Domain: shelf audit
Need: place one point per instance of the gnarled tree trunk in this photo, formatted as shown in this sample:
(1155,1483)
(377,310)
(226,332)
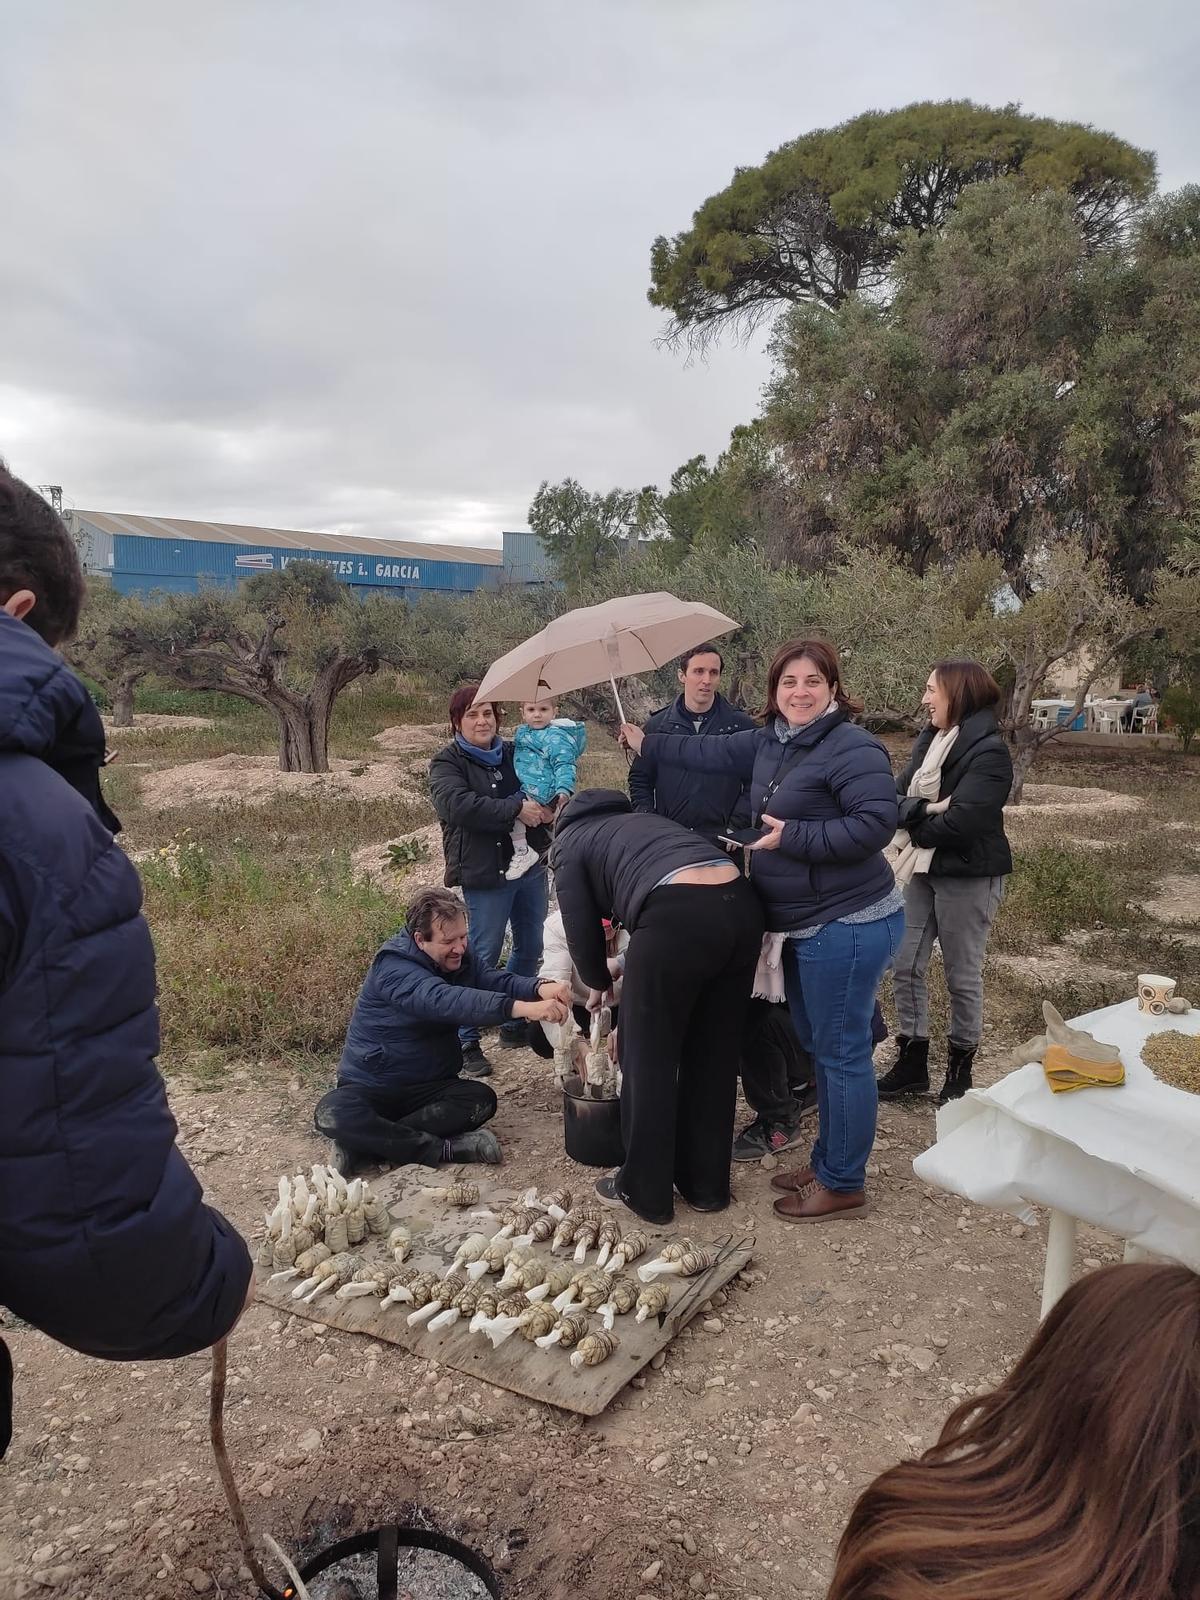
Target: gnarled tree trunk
(304,718)
(122,701)
(237,663)
(297,740)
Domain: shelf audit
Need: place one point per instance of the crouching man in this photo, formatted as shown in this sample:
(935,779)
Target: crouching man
(400,1095)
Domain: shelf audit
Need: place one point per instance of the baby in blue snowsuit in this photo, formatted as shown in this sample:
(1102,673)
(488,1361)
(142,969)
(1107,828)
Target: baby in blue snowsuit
(545,750)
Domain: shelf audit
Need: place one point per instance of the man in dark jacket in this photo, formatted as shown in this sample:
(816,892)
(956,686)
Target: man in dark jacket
(399,1094)
(105,1243)
(707,802)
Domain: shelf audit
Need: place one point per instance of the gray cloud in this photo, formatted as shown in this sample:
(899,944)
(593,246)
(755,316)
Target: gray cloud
(384,267)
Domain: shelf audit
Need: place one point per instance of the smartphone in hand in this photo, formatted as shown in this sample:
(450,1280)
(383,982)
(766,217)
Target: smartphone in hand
(742,836)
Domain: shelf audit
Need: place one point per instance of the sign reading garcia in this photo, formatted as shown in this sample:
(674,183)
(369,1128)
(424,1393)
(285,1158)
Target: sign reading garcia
(341,566)
(351,567)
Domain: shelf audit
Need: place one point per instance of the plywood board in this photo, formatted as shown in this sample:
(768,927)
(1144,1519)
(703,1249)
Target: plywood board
(517,1365)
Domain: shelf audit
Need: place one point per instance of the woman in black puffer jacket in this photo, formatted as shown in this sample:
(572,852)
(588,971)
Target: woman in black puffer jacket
(953,867)
(478,796)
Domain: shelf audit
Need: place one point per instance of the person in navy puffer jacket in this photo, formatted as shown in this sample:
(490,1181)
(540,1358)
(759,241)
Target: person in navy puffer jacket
(105,1242)
(399,1095)
(823,790)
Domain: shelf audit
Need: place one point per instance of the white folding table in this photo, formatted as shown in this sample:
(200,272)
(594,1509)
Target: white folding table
(1125,1159)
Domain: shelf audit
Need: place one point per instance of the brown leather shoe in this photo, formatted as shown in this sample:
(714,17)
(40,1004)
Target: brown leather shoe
(790,1182)
(815,1203)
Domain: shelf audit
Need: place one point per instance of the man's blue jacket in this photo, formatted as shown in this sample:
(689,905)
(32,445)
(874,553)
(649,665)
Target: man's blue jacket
(406,1019)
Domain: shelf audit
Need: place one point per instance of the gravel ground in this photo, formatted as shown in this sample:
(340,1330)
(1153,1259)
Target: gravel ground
(726,1472)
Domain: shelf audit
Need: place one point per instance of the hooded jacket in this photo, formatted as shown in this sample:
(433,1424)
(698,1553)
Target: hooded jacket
(968,839)
(545,758)
(606,859)
(405,1024)
(105,1243)
(707,804)
(832,785)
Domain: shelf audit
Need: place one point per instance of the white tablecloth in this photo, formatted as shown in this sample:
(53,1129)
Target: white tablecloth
(1126,1159)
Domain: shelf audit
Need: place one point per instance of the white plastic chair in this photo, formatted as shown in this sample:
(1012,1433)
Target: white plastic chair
(1145,719)
(1042,717)
(1107,721)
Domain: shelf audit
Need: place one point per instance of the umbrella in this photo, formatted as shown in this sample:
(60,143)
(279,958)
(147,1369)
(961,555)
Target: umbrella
(617,639)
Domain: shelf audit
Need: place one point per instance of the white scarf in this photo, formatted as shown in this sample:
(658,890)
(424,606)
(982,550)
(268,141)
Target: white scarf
(906,857)
(768,976)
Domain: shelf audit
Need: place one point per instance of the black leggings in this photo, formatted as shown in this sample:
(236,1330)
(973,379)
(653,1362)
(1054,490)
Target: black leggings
(776,1067)
(688,975)
(407,1123)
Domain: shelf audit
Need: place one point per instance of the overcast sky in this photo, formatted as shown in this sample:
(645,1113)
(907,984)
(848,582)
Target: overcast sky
(381,266)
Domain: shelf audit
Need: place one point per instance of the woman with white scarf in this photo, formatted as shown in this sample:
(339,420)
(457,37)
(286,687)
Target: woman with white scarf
(951,857)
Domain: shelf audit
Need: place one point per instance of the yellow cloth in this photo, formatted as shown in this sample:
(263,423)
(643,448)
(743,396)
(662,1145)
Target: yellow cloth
(1065,1071)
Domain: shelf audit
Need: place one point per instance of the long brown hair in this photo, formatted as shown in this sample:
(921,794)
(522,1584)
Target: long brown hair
(1077,1479)
(824,657)
(968,688)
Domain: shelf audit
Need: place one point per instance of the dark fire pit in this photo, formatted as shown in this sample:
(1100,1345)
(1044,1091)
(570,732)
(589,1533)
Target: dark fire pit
(386,1545)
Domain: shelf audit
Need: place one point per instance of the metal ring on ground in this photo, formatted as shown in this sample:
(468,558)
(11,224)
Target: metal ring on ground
(388,1542)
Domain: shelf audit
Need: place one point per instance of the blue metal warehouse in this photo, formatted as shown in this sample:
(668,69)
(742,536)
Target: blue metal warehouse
(143,554)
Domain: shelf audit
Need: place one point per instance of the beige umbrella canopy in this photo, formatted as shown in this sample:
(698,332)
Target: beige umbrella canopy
(617,639)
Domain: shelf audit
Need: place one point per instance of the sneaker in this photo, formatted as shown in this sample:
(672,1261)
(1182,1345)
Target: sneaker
(720,1204)
(805,1096)
(514,1036)
(609,1195)
(475,1063)
(606,1192)
(763,1137)
(522,862)
(478,1146)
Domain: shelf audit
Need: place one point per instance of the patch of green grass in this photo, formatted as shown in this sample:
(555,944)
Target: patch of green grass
(122,790)
(603,765)
(158,699)
(251,735)
(1054,889)
(258,955)
(296,828)
(366,708)
(1160,776)
(361,711)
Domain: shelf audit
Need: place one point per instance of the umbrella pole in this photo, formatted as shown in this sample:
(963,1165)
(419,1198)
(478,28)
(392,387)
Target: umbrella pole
(617,697)
(621,714)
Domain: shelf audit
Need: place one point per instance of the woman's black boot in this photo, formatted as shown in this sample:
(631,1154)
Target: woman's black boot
(910,1075)
(958,1074)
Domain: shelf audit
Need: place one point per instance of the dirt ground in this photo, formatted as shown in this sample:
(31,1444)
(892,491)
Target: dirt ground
(729,1472)
(257,780)
(150,721)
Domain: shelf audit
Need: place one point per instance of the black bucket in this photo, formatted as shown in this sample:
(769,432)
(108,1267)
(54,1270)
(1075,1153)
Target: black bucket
(591,1128)
(388,1543)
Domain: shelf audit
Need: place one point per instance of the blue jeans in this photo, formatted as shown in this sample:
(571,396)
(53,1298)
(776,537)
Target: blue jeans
(831,981)
(523,903)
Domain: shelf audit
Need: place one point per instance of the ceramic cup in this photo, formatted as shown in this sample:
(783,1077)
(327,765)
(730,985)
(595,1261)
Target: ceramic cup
(1153,992)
